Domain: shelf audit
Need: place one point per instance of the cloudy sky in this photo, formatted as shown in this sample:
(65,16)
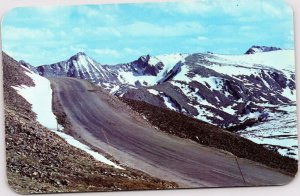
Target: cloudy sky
(122,32)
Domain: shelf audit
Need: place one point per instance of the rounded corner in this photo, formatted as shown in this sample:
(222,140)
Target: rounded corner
(6,12)
(9,185)
(287,182)
(289,6)
(291,180)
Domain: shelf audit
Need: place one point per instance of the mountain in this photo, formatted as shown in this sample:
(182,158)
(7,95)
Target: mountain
(257,49)
(218,89)
(79,66)
(236,92)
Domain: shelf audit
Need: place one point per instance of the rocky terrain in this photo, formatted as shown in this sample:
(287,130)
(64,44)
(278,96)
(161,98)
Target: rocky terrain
(235,92)
(39,161)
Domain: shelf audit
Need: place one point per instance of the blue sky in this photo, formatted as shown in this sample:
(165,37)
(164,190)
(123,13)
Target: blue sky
(118,33)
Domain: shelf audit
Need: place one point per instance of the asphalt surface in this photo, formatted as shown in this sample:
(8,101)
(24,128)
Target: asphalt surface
(106,123)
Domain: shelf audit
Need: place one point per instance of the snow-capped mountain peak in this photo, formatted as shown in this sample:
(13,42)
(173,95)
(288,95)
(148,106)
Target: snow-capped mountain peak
(79,66)
(81,54)
(257,49)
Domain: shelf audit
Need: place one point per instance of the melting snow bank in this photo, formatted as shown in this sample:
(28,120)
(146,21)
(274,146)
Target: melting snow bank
(85,148)
(40,97)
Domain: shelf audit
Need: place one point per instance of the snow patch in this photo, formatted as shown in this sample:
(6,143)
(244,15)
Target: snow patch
(153,61)
(182,75)
(280,59)
(203,114)
(170,60)
(154,92)
(168,102)
(75,143)
(40,97)
(114,89)
(252,115)
(288,93)
(214,82)
(229,110)
(130,78)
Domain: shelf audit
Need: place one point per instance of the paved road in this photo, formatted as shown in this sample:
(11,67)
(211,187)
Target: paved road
(106,123)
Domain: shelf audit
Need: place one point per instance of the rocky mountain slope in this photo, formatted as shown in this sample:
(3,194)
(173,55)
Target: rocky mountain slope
(40,161)
(230,91)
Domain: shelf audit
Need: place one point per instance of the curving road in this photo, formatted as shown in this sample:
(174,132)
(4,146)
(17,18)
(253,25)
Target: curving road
(108,124)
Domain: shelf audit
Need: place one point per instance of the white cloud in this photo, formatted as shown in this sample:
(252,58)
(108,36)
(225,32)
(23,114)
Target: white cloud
(118,53)
(78,48)
(87,11)
(113,56)
(143,29)
(107,51)
(248,28)
(132,51)
(107,30)
(29,54)
(254,8)
(18,33)
(107,14)
(202,38)
(52,16)
(274,10)
(99,32)
(197,40)
(193,6)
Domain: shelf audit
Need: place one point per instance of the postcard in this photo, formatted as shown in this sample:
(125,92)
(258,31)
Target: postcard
(147,96)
